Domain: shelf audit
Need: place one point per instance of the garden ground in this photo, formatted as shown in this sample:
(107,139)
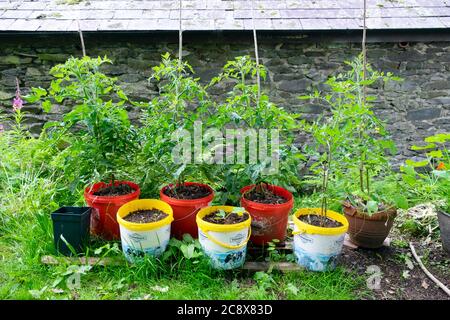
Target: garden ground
(22,276)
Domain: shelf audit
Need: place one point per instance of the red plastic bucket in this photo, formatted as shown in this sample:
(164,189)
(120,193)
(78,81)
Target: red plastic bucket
(185,211)
(269,221)
(103,219)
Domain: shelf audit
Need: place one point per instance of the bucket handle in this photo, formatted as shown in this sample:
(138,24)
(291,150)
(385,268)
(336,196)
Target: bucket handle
(229,246)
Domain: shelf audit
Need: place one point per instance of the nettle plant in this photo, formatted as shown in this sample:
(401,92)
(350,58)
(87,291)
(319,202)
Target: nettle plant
(96,136)
(432,175)
(245,108)
(182,100)
(364,147)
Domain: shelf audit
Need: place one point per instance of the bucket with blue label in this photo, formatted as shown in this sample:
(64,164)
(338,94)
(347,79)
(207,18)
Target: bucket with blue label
(317,248)
(224,232)
(140,238)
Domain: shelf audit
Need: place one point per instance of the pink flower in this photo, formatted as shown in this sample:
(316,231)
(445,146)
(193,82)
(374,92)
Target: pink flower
(17,101)
(2,128)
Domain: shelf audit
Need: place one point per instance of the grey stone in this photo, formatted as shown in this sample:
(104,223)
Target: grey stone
(53,57)
(437,85)
(297,86)
(5,95)
(423,114)
(17,60)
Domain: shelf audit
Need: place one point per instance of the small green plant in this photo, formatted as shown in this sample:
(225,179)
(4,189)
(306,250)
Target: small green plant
(222,214)
(96,135)
(243,109)
(363,145)
(182,100)
(433,183)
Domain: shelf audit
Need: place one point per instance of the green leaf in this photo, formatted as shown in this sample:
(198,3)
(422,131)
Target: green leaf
(122,95)
(438,138)
(372,206)
(416,164)
(428,146)
(435,154)
(47,106)
(51,124)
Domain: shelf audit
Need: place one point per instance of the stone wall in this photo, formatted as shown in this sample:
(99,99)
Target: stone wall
(413,109)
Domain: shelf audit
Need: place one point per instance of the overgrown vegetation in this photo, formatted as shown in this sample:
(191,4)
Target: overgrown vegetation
(96,141)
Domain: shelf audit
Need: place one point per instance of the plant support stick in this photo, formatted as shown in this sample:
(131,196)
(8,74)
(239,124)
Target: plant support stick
(428,273)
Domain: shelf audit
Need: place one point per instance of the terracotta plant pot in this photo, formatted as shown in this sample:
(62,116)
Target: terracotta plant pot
(103,218)
(269,221)
(444,226)
(369,231)
(185,211)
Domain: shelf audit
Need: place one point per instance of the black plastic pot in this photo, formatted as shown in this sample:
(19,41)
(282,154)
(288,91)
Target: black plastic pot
(73,224)
(444,226)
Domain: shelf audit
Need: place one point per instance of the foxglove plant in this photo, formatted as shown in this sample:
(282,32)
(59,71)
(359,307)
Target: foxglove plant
(17,105)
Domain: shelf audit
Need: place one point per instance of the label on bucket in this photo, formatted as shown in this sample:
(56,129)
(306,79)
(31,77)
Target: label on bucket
(224,258)
(136,245)
(317,252)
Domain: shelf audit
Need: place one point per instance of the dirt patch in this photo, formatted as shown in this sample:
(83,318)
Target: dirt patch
(398,280)
(319,221)
(113,191)
(262,194)
(185,192)
(222,217)
(145,216)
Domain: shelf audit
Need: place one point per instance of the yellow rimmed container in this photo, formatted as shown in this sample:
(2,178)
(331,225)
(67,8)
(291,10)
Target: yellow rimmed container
(318,248)
(224,244)
(139,239)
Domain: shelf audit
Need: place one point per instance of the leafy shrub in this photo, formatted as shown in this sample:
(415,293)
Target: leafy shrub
(96,137)
(244,109)
(362,143)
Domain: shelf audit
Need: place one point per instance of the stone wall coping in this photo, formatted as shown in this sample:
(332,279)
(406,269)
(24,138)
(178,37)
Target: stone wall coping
(213,15)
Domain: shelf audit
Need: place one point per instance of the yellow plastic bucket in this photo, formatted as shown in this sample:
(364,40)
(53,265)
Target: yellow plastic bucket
(225,245)
(318,248)
(139,239)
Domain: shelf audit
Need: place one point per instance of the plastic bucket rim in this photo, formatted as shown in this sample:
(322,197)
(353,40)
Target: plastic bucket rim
(263,206)
(186,202)
(307,228)
(89,190)
(208,226)
(125,209)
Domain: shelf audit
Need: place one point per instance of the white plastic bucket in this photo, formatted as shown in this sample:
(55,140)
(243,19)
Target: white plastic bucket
(318,248)
(140,239)
(225,245)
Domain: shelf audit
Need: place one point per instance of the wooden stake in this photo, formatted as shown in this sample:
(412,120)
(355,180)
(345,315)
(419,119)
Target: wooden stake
(83,48)
(428,273)
(92,261)
(180,38)
(255,39)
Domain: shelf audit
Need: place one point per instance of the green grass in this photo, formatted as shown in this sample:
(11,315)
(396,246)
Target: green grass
(22,276)
(20,281)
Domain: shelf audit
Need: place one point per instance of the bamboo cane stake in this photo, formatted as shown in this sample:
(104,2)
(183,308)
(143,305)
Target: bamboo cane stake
(428,273)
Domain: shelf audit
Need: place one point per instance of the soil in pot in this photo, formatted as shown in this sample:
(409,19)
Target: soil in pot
(114,190)
(187,192)
(222,217)
(320,221)
(261,194)
(145,216)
